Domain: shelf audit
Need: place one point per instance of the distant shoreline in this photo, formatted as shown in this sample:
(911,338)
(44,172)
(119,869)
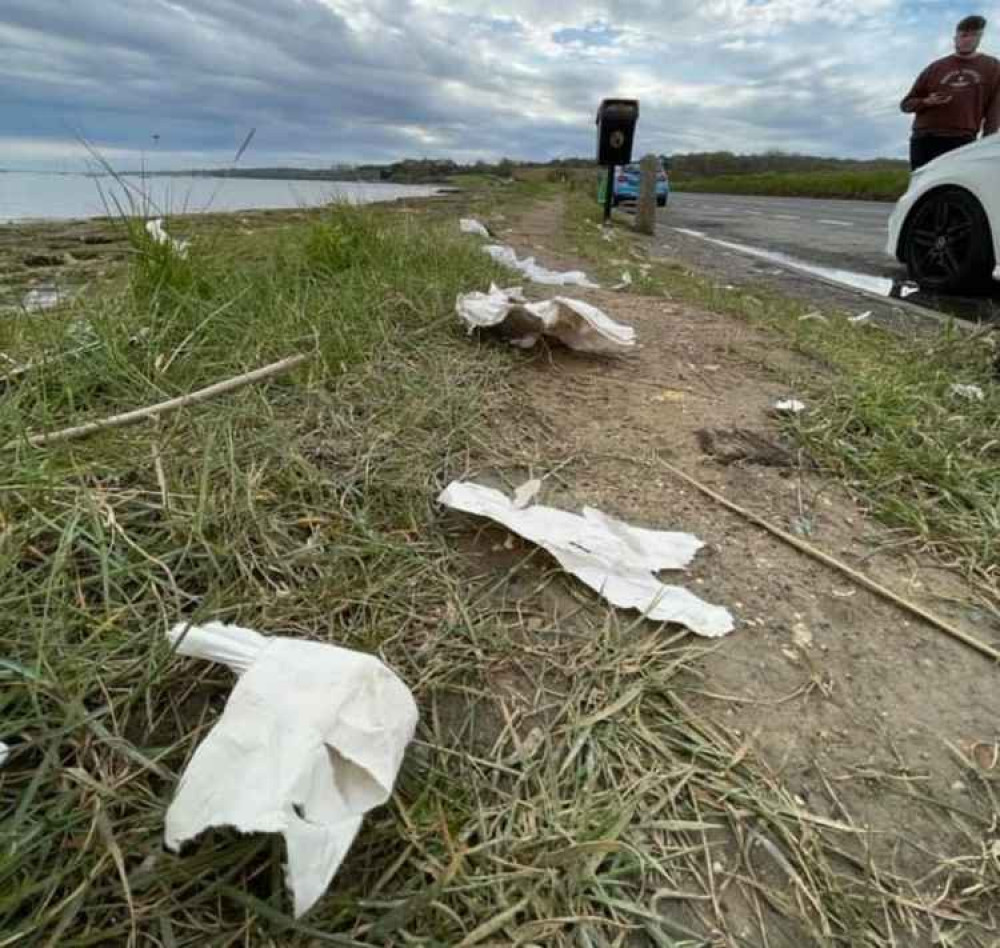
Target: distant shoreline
(256,174)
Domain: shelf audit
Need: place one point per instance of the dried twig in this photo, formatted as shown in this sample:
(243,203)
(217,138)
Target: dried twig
(816,554)
(152,411)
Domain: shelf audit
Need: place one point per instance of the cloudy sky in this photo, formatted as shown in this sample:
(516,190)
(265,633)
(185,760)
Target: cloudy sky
(176,83)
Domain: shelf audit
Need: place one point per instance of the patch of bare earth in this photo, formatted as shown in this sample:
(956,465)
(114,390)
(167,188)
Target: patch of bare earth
(868,717)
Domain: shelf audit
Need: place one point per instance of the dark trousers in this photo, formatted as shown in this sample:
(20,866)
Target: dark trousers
(928,147)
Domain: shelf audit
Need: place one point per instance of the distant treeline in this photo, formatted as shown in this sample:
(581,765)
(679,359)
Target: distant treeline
(693,166)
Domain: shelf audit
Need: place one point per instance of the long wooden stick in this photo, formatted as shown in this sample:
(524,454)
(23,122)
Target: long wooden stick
(853,574)
(152,411)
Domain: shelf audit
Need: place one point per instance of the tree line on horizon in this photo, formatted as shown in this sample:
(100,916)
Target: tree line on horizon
(691,165)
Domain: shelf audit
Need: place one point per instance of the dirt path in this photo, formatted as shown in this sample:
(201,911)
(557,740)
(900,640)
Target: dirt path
(866,715)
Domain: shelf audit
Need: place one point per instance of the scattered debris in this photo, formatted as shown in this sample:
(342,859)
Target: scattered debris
(4,753)
(616,560)
(41,298)
(670,395)
(155,230)
(470,226)
(626,281)
(311,739)
(860,318)
(506,257)
(972,392)
(789,406)
(803,526)
(574,323)
(741,445)
(814,315)
(802,635)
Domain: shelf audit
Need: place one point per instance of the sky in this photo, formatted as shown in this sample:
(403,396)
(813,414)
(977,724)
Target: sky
(180,83)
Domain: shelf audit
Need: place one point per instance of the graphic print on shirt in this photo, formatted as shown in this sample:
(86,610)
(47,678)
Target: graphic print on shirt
(958,80)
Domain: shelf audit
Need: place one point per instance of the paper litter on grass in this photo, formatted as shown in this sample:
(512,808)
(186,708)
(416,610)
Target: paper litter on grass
(470,226)
(41,298)
(616,560)
(972,392)
(155,230)
(311,738)
(574,323)
(535,272)
(789,406)
(860,318)
(4,753)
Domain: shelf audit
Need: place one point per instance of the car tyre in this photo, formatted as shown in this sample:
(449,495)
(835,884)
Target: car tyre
(661,202)
(948,247)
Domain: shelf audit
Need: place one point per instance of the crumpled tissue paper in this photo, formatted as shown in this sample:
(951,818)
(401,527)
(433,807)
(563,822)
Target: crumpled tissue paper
(155,230)
(616,560)
(574,323)
(469,225)
(506,257)
(311,739)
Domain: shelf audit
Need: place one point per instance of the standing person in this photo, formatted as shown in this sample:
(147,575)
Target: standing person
(954,98)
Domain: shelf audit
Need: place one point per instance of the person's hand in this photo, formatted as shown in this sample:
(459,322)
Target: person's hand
(936,98)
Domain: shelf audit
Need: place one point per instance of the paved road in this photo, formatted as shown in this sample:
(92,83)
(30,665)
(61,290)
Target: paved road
(846,234)
(842,235)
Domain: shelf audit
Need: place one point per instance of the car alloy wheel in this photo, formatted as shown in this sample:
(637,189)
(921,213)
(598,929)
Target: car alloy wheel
(947,243)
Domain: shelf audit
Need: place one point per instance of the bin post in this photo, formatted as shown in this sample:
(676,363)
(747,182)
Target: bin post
(616,119)
(645,212)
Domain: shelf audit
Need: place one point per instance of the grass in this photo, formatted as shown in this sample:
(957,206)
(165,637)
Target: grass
(561,791)
(875,185)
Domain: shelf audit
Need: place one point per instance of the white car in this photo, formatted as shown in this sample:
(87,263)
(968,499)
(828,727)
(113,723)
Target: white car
(946,228)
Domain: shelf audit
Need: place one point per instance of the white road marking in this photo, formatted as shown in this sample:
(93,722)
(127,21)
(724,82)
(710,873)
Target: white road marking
(836,223)
(861,281)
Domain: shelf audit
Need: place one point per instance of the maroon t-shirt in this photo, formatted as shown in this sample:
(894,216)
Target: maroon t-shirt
(972,82)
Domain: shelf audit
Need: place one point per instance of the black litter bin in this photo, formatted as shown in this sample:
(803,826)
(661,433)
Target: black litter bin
(616,120)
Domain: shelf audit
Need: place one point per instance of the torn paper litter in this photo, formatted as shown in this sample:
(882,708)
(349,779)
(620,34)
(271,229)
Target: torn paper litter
(41,298)
(616,560)
(574,323)
(470,226)
(311,738)
(155,230)
(789,406)
(861,318)
(972,392)
(506,257)
(4,753)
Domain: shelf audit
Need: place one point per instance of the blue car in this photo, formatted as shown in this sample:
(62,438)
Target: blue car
(626,187)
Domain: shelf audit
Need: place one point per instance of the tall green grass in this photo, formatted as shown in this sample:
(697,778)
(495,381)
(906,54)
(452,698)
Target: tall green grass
(292,507)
